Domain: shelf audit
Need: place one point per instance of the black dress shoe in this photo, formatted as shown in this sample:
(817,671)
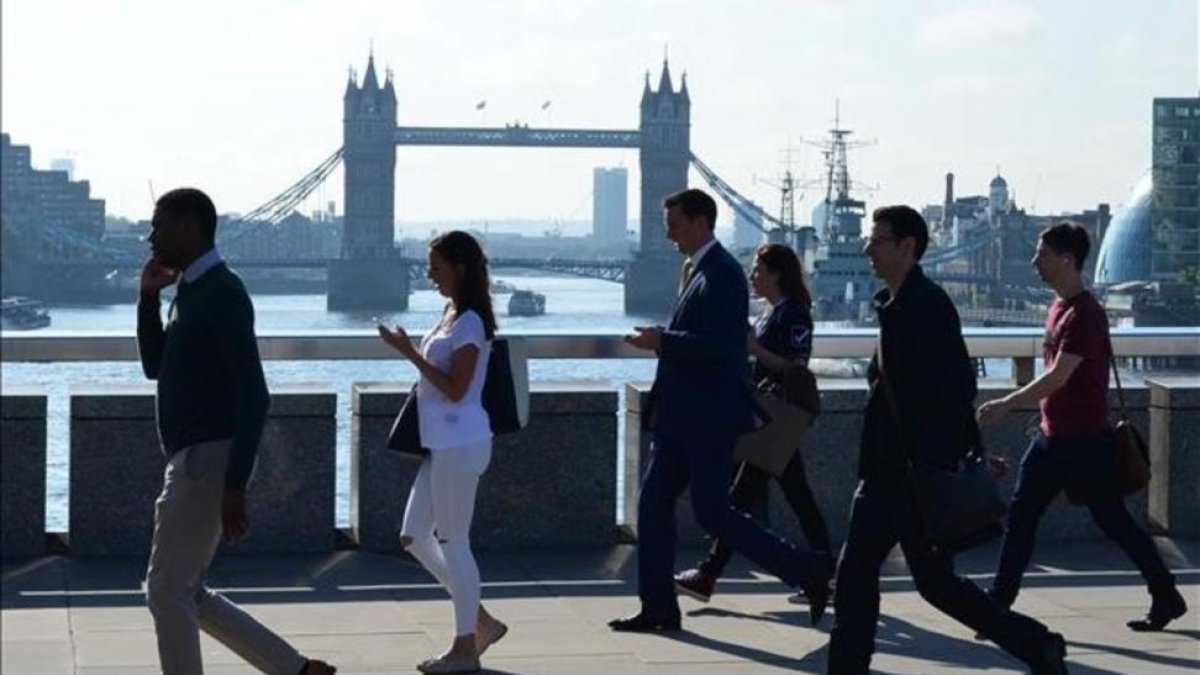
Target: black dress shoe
(1162,612)
(1053,658)
(818,600)
(643,623)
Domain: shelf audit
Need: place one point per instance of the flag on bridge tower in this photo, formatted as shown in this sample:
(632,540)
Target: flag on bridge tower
(481,105)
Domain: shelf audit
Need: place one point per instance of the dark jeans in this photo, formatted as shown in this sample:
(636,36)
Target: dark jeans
(883,513)
(703,468)
(751,486)
(1090,463)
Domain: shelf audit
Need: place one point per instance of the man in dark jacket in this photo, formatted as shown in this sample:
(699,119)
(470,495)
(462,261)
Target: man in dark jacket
(924,358)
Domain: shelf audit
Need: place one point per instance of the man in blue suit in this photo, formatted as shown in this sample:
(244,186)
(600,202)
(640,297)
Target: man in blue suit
(699,404)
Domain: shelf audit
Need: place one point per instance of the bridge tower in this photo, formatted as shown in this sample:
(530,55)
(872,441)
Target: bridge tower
(652,279)
(370,275)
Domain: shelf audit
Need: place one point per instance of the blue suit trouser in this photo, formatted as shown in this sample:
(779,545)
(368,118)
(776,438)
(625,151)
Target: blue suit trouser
(703,468)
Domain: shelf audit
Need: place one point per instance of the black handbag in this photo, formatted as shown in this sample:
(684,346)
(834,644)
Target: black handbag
(506,387)
(960,507)
(405,436)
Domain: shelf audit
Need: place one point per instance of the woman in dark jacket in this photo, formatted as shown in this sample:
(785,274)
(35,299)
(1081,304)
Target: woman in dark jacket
(781,338)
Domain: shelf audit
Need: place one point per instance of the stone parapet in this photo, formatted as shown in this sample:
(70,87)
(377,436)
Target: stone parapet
(117,472)
(551,484)
(22,472)
(1175,455)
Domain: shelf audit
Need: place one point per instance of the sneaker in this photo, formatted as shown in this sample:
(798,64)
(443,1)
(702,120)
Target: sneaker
(696,584)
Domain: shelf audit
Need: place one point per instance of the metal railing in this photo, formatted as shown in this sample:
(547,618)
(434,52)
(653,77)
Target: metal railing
(1022,345)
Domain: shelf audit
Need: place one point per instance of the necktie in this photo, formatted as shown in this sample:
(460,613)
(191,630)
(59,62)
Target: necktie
(685,274)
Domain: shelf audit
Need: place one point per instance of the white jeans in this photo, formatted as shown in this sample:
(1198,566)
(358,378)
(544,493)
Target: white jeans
(187,530)
(442,500)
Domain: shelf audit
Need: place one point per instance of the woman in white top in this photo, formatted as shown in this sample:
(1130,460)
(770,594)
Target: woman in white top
(452,360)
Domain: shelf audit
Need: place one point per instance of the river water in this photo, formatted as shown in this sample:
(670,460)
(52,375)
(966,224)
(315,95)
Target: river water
(572,305)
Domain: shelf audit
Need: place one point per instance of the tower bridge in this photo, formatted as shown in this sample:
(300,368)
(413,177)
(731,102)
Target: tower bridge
(370,273)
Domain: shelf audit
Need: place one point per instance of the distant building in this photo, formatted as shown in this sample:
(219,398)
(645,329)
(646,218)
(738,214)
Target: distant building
(610,205)
(1175,197)
(988,237)
(1124,254)
(997,195)
(64,164)
(31,199)
(295,237)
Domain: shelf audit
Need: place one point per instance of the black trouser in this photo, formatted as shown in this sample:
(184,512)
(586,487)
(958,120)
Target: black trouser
(1090,463)
(883,513)
(751,486)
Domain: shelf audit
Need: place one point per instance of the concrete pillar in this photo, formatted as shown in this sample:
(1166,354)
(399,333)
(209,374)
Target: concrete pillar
(551,484)
(22,472)
(637,458)
(1023,370)
(1174,438)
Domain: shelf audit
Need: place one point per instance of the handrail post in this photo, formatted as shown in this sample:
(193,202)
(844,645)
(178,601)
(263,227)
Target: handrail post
(1023,370)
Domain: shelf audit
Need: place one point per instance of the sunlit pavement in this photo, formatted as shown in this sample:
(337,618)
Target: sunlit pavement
(373,614)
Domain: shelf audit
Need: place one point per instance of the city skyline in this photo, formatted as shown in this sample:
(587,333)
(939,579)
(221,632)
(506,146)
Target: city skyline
(242,102)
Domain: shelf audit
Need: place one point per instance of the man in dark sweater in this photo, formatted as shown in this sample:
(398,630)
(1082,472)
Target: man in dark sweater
(212,403)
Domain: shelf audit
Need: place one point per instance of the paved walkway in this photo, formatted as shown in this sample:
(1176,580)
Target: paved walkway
(376,614)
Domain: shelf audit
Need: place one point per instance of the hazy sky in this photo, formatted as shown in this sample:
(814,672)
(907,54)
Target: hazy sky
(242,98)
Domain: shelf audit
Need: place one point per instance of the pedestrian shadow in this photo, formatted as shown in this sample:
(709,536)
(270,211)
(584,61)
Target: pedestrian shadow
(790,618)
(1183,632)
(894,636)
(804,664)
(1156,658)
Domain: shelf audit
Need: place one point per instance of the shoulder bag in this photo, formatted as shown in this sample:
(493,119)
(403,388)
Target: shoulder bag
(960,507)
(1133,458)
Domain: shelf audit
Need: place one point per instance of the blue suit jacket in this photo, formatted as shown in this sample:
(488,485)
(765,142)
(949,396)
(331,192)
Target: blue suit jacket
(701,386)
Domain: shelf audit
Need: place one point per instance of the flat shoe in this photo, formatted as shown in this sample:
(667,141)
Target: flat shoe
(446,665)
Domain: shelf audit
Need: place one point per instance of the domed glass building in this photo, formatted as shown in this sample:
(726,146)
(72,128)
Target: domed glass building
(1125,251)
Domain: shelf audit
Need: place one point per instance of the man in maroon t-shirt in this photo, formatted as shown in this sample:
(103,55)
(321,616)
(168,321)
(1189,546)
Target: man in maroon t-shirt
(1075,443)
